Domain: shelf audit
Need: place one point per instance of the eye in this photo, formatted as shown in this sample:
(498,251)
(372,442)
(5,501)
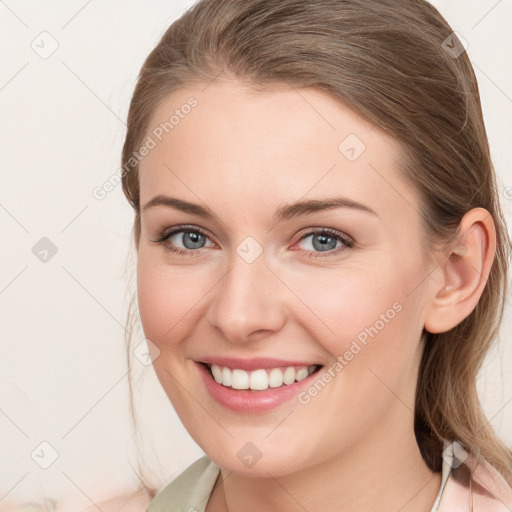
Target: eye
(190,239)
(186,241)
(327,241)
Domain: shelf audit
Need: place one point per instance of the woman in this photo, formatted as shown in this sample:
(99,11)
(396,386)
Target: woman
(322,256)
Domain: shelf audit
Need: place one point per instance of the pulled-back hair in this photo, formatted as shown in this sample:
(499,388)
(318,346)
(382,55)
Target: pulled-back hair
(399,65)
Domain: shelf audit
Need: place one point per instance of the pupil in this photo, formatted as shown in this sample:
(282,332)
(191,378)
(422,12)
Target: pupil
(192,240)
(323,242)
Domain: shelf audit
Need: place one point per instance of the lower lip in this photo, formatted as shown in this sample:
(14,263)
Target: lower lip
(252,401)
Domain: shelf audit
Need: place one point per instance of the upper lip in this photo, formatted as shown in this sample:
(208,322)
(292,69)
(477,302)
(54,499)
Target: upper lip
(254,363)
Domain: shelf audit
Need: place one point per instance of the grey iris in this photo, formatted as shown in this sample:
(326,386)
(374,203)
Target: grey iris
(196,240)
(323,242)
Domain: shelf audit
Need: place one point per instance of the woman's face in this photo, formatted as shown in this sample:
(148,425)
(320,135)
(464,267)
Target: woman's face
(263,279)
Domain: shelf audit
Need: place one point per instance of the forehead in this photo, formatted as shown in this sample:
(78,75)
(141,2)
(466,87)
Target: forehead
(229,144)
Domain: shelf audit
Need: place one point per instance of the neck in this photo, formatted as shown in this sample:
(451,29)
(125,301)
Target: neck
(368,476)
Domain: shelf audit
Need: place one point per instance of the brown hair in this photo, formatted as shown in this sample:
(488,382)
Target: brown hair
(399,65)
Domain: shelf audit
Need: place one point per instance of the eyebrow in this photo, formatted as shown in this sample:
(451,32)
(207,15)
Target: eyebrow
(286,212)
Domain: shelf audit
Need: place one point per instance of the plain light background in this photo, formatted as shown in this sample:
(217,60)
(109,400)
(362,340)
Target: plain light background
(63,373)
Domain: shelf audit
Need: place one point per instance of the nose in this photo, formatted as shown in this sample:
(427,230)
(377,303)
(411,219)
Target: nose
(246,305)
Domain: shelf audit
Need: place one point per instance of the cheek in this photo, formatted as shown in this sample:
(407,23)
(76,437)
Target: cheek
(346,301)
(364,313)
(168,299)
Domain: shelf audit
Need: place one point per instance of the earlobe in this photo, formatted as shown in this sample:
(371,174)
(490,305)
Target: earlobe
(465,272)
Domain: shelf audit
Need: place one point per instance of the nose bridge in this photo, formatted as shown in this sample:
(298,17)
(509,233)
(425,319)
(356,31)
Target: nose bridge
(243,302)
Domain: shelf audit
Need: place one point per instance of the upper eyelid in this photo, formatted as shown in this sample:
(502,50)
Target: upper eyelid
(315,230)
(179,229)
(304,233)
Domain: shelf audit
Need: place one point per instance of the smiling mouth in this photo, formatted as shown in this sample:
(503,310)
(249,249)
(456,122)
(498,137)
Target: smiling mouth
(260,379)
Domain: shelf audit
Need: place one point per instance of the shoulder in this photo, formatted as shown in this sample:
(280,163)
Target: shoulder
(491,491)
(190,490)
(474,485)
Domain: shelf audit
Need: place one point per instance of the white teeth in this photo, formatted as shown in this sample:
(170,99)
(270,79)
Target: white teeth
(226,377)
(259,380)
(217,373)
(289,375)
(275,378)
(240,379)
(302,373)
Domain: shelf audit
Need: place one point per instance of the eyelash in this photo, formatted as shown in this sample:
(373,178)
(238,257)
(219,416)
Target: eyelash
(345,239)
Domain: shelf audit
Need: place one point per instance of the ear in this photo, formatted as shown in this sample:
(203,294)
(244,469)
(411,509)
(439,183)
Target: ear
(465,270)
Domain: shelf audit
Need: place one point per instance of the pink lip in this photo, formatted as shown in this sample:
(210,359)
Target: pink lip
(253,364)
(250,401)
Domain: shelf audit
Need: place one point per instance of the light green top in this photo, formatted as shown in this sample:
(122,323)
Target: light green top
(191,490)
